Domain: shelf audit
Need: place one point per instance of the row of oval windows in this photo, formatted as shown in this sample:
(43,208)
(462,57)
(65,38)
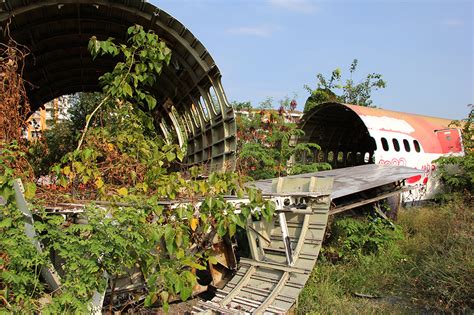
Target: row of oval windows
(396,145)
(345,157)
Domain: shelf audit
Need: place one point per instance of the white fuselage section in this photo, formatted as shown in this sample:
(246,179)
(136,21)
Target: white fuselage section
(407,155)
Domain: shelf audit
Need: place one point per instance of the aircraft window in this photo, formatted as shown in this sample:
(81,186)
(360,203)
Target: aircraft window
(214,100)
(195,116)
(417,145)
(182,125)
(340,157)
(203,105)
(374,142)
(366,157)
(358,157)
(330,156)
(385,144)
(189,121)
(396,145)
(349,157)
(177,127)
(320,156)
(406,144)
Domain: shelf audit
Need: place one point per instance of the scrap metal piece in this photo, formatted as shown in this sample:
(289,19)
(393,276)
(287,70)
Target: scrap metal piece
(286,238)
(351,180)
(271,280)
(50,275)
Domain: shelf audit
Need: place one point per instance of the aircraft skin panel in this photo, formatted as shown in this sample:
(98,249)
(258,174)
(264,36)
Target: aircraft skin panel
(450,140)
(418,126)
(422,161)
(400,139)
(433,134)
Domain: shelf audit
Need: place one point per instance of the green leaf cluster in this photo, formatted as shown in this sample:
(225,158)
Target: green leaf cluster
(20,263)
(144,57)
(457,172)
(268,145)
(126,164)
(360,237)
(351,92)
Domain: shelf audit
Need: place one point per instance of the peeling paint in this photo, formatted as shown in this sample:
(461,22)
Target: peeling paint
(387,124)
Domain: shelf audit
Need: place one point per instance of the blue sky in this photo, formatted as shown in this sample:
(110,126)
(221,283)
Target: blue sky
(271,48)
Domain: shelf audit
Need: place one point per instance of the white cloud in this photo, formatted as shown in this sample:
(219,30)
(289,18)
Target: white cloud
(453,22)
(260,31)
(304,6)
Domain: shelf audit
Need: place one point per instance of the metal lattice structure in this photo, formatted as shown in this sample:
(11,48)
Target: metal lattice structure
(191,101)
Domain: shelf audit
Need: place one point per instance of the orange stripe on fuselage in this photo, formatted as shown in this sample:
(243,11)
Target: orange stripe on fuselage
(424,126)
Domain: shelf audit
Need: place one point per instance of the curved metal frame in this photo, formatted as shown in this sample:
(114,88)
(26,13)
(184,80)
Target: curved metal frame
(57,33)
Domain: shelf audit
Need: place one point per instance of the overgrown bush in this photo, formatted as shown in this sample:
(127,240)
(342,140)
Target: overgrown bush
(51,147)
(428,270)
(438,273)
(20,263)
(62,137)
(457,172)
(267,141)
(14,104)
(333,288)
(359,237)
(127,166)
(350,92)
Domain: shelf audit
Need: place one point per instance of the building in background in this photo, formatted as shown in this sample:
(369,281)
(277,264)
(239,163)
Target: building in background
(43,119)
(288,115)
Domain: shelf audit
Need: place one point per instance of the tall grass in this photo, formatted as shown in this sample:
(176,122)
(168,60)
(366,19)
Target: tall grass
(439,272)
(430,270)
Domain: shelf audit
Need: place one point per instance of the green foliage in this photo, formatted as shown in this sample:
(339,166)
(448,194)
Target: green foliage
(241,105)
(438,243)
(80,106)
(62,137)
(144,58)
(266,104)
(429,270)
(115,157)
(125,164)
(457,172)
(19,262)
(332,288)
(52,146)
(351,92)
(267,139)
(164,243)
(129,82)
(356,237)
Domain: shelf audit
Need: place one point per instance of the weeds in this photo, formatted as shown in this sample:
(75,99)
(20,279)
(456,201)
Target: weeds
(360,237)
(439,272)
(429,269)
